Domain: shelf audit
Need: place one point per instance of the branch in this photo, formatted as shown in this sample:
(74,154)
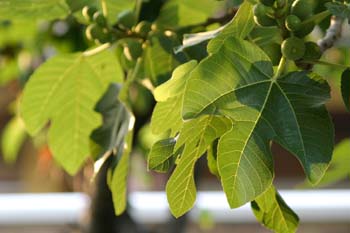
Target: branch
(332,35)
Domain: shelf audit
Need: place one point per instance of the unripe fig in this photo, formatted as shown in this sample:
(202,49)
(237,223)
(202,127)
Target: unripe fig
(293,48)
(312,51)
(99,19)
(143,28)
(88,12)
(97,34)
(292,23)
(260,16)
(302,8)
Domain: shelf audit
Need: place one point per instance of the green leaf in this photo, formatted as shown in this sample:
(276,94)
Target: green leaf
(116,119)
(345,88)
(64,91)
(116,7)
(271,210)
(290,111)
(12,139)
(76,5)
(339,9)
(161,157)
(33,9)
(176,84)
(179,13)
(21,32)
(167,115)
(266,35)
(118,184)
(339,168)
(160,59)
(240,26)
(196,135)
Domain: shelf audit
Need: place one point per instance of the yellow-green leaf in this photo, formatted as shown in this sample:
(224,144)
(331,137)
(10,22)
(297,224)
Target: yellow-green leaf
(118,184)
(289,110)
(64,91)
(196,136)
(33,9)
(271,210)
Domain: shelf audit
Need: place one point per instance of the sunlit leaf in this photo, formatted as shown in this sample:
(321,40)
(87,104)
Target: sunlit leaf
(290,110)
(196,135)
(176,84)
(167,114)
(116,7)
(271,210)
(118,184)
(177,13)
(64,91)
(162,157)
(240,26)
(160,59)
(33,9)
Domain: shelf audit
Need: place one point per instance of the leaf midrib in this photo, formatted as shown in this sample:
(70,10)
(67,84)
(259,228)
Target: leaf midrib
(250,135)
(230,92)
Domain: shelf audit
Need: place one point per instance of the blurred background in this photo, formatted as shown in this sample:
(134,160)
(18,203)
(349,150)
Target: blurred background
(27,166)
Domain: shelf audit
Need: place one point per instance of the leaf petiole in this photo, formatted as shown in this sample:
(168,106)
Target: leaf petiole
(317,18)
(335,65)
(281,68)
(96,50)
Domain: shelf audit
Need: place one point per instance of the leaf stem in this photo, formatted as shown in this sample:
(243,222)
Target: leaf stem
(335,65)
(97,49)
(281,68)
(317,18)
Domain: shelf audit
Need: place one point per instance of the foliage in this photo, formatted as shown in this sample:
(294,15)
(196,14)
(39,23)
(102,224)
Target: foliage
(242,78)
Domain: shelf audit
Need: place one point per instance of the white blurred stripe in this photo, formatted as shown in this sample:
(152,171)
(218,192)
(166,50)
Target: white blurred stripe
(330,206)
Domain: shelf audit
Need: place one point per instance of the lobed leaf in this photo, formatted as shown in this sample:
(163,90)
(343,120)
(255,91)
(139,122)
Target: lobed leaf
(64,91)
(240,26)
(167,114)
(195,136)
(176,84)
(290,111)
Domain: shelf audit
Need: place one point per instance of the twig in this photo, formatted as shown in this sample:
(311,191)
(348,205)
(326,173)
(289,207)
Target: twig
(332,35)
